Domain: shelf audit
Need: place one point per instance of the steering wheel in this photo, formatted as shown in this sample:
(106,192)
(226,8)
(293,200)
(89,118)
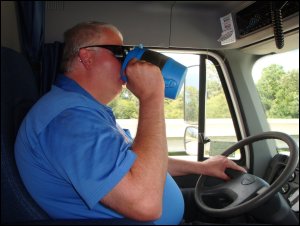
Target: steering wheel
(244,191)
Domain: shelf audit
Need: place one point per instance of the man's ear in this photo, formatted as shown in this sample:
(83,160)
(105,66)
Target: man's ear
(85,58)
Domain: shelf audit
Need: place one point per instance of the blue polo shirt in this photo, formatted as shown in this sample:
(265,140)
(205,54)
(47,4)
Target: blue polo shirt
(70,153)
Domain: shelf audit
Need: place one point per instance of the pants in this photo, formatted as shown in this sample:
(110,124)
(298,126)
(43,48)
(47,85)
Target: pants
(192,213)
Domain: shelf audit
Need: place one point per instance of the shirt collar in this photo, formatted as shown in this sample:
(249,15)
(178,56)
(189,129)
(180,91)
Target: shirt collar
(70,85)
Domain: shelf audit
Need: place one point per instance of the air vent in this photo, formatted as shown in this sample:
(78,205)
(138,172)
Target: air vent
(258,15)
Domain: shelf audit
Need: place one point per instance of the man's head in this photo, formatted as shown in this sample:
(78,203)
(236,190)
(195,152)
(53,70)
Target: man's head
(89,59)
(81,35)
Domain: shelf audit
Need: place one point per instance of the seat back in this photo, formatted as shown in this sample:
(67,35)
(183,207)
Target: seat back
(19,91)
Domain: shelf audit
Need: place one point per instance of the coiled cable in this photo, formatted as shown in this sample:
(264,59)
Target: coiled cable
(277,23)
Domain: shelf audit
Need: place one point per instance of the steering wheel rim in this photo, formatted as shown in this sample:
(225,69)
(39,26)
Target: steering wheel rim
(265,193)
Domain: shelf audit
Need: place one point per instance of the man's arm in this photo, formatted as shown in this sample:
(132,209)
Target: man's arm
(214,166)
(139,194)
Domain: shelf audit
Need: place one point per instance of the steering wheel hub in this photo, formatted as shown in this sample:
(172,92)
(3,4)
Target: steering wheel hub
(247,179)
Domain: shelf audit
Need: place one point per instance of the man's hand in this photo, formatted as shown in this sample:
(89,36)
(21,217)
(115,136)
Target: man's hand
(145,80)
(216,166)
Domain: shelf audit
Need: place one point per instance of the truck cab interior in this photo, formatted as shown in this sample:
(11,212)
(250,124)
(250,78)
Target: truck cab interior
(219,42)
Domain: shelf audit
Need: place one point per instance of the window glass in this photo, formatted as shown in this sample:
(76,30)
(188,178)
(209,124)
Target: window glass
(182,132)
(176,126)
(219,125)
(277,81)
(182,113)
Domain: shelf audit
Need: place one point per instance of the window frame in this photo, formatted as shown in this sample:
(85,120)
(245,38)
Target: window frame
(232,97)
(231,105)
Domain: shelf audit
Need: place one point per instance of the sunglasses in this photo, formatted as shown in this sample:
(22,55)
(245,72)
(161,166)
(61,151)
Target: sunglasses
(119,52)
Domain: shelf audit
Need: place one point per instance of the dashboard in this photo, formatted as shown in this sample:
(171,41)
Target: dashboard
(290,190)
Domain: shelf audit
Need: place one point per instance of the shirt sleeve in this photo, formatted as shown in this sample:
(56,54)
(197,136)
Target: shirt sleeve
(88,150)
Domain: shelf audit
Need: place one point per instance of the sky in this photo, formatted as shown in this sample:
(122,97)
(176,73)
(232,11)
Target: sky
(289,61)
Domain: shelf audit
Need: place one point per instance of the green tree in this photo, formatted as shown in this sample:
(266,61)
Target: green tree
(191,104)
(174,108)
(286,103)
(216,107)
(269,84)
(214,88)
(125,109)
(279,92)
(216,103)
(125,106)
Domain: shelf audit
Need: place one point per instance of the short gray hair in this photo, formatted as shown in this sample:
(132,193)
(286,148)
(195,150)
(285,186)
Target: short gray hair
(82,34)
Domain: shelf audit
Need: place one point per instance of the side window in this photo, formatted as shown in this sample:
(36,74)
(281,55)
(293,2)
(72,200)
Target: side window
(177,124)
(277,80)
(198,109)
(219,124)
(207,121)
(211,130)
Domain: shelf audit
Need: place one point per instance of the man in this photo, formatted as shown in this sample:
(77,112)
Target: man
(78,163)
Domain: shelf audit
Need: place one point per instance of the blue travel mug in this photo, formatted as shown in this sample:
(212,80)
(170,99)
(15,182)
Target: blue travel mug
(173,72)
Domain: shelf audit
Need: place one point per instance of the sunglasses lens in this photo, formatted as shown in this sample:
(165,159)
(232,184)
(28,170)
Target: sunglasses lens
(120,53)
